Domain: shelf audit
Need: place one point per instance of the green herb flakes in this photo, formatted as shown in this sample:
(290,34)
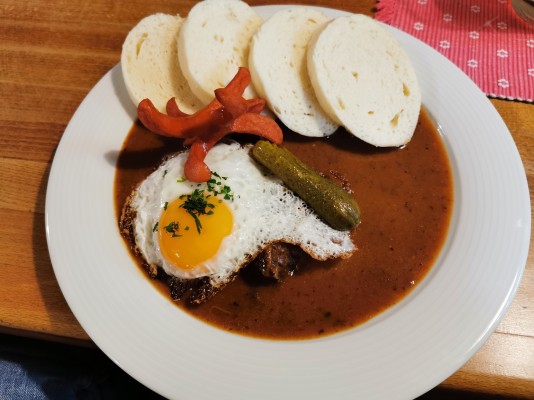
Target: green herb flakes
(195,204)
(173,227)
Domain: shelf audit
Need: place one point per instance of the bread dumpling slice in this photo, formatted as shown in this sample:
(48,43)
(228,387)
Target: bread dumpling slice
(364,80)
(149,62)
(277,65)
(214,42)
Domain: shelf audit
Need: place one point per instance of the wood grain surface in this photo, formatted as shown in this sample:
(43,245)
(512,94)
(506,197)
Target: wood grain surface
(51,55)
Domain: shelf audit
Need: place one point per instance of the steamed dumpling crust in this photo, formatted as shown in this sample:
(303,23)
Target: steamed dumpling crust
(278,67)
(214,43)
(364,80)
(149,62)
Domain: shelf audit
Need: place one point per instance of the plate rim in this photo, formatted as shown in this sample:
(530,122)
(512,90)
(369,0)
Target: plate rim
(63,277)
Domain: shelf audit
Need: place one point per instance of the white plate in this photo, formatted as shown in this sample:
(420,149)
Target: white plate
(400,354)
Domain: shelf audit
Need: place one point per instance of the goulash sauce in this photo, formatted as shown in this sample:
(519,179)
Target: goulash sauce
(406,198)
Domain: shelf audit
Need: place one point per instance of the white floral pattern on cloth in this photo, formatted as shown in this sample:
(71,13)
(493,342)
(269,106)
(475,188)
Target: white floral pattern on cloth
(482,37)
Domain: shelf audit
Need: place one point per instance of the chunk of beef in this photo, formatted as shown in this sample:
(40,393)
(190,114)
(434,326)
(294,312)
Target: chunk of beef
(192,291)
(278,260)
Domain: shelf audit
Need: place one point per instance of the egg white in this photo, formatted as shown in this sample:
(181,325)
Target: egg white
(264,211)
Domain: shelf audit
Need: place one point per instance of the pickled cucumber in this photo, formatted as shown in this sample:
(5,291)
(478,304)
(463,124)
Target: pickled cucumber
(330,201)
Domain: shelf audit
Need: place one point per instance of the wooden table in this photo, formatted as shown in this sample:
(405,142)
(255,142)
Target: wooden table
(52,53)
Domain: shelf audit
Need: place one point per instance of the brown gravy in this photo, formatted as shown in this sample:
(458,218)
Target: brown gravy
(406,198)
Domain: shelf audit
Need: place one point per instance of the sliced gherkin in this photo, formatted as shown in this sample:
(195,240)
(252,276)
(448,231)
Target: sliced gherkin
(330,201)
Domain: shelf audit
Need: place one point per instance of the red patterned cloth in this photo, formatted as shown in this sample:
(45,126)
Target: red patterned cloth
(485,38)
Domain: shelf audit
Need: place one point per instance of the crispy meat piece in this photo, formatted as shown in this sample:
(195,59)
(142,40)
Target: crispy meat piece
(279,260)
(193,291)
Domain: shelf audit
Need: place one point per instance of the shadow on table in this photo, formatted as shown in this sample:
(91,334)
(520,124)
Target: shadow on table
(36,369)
(447,394)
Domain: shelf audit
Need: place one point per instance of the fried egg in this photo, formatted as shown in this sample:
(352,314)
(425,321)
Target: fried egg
(243,209)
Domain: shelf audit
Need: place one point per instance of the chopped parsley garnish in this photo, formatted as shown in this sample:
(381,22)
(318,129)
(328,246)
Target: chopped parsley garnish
(215,185)
(173,227)
(227,192)
(180,180)
(165,205)
(196,204)
(155,228)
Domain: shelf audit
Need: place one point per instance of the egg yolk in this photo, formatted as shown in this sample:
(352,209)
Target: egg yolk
(182,244)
